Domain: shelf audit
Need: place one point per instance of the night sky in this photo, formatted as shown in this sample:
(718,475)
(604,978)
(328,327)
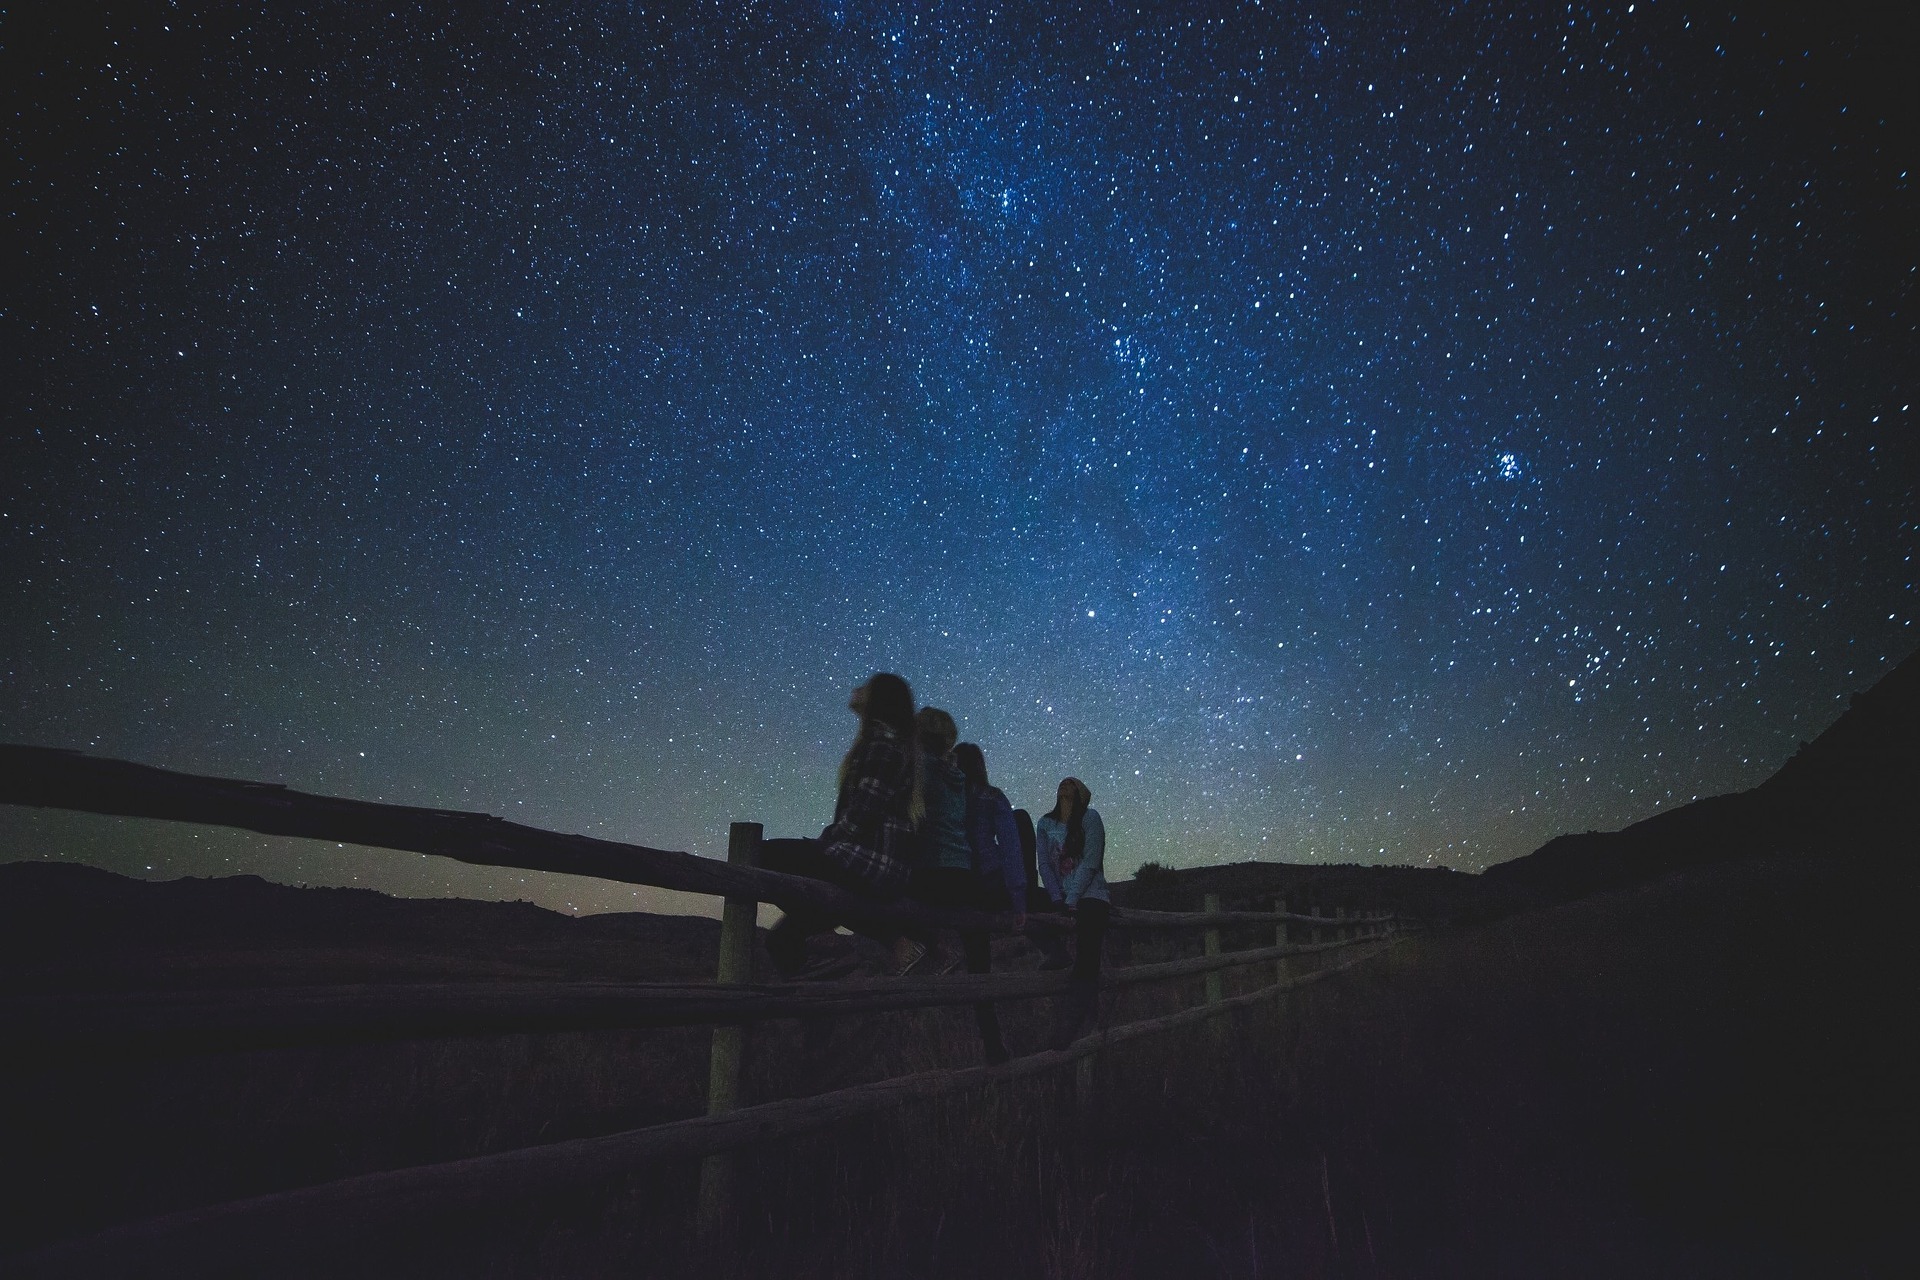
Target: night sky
(1337,433)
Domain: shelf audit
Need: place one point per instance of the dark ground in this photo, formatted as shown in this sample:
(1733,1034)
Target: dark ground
(1691,1077)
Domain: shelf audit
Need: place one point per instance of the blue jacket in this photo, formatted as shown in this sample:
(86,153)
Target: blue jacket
(995,842)
(1087,880)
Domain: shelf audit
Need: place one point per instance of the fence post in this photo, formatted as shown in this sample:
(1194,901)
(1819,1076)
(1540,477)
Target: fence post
(1216,986)
(1341,932)
(729,1043)
(1281,936)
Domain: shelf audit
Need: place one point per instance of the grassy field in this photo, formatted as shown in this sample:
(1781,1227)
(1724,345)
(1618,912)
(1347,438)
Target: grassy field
(1690,1078)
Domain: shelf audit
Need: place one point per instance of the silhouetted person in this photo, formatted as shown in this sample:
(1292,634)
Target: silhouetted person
(946,875)
(866,849)
(1071,850)
(941,875)
(1000,884)
(1053,949)
(1001,858)
(1037,899)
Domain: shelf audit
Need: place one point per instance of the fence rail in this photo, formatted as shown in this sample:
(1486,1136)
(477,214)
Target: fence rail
(50,778)
(280,1224)
(201,1020)
(213,1021)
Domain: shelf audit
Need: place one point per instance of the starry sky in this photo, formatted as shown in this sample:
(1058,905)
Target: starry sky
(1361,433)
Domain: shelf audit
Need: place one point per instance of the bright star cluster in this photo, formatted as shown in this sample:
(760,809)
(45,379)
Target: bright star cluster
(1336,433)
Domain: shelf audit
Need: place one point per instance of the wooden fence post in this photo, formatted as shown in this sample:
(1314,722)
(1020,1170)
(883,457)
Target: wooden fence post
(1281,935)
(1216,985)
(1341,932)
(729,1043)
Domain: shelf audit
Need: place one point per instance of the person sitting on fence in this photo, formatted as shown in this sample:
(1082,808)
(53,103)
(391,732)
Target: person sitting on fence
(959,806)
(1071,850)
(866,849)
(943,874)
(1037,899)
(993,837)
(1053,947)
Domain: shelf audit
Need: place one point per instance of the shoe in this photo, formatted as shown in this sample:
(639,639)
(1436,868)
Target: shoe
(944,963)
(907,960)
(787,951)
(826,968)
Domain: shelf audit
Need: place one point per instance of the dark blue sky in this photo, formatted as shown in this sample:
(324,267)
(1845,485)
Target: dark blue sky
(1382,434)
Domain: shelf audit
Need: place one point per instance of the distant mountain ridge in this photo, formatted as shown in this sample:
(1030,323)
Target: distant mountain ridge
(1853,790)
(1433,895)
(64,924)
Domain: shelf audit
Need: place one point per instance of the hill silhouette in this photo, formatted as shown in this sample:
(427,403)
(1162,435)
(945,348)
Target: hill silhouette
(1855,789)
(1690,1076)
(64,926)
(1428,895)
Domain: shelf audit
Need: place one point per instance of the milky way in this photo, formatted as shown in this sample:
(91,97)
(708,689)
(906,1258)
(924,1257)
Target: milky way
(1386,437)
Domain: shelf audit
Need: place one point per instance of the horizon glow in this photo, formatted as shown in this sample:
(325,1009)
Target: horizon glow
(1380,438)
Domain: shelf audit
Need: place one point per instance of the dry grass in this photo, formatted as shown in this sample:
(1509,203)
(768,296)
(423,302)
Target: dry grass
(1692,1078)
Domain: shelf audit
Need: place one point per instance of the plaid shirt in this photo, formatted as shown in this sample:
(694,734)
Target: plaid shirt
(871,835)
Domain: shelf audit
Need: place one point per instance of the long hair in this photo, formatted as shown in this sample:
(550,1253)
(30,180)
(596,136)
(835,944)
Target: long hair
(973,763)
(1074,847)
(887,699)
(937,730)
(934,732)
(890,701)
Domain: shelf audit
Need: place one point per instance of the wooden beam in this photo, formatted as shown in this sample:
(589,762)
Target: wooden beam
(728,1057)
(1216,986)
(1282,968)
(54,779)
(203,1021)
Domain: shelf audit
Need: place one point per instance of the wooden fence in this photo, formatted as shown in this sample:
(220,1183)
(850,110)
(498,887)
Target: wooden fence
(199,1022)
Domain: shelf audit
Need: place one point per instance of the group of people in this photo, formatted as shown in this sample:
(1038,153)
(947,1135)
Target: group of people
(916,817)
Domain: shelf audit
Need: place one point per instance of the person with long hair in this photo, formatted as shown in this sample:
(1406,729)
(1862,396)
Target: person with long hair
(946,875)
(1037,899)
(867,847)
(993,837)
(1071,848)
(1053,947)
(942,877)
(995,879)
